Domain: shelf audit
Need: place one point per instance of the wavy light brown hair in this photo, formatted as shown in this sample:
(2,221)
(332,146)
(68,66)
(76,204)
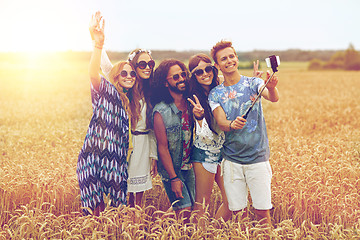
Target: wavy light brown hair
(131,99)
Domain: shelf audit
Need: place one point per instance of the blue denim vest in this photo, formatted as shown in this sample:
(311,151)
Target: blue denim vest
(172,121)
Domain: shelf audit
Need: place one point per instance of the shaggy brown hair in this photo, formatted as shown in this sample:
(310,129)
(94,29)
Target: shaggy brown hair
(220,46)
(158,85)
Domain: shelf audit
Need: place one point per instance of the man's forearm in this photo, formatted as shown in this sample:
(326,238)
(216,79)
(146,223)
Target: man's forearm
(273,94)
(166,160)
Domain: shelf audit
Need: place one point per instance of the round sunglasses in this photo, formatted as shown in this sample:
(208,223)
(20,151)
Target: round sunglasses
(200,72)
(177,76)
(125,73)
(143,64)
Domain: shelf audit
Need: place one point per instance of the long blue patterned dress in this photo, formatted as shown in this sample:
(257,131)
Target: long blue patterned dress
(102,165)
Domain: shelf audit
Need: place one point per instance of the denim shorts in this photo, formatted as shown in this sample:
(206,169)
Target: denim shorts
(200,155)
(187,178)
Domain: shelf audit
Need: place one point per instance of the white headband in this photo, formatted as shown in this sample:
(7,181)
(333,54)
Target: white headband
(131,56)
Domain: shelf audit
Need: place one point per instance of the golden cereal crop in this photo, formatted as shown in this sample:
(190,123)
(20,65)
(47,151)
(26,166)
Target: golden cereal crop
(314,135)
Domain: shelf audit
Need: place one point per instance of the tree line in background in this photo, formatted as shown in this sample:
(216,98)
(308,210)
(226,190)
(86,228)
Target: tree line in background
(291,55)
(345,60)
(319,59)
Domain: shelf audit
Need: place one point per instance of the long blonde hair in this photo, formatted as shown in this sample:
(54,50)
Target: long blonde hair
(131,99)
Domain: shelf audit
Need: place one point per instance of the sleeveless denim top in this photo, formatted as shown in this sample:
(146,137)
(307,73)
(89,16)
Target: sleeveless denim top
(175,136)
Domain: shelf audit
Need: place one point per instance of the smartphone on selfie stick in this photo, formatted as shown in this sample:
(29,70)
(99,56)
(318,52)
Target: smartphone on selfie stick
(273,62)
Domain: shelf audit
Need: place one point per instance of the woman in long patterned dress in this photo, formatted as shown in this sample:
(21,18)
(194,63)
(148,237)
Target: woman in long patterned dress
(143,160)
(102,162)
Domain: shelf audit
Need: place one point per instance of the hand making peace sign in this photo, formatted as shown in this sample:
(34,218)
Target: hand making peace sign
(198,110)
(256,72)
(95,28)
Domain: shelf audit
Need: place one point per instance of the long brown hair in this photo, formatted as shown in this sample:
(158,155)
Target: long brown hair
(143,85)
(199,91)
(131,99)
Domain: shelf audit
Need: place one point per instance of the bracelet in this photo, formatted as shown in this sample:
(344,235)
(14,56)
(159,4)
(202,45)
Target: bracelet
(230,125)
(171,179)
(98,46)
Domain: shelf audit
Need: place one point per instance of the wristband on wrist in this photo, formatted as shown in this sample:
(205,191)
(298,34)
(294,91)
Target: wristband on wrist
(98,46)
(171,179)
(230,125)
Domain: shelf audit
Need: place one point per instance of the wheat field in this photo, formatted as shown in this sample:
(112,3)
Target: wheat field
(314,135)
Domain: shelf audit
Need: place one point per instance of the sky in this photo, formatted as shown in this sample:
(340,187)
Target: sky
(62,25)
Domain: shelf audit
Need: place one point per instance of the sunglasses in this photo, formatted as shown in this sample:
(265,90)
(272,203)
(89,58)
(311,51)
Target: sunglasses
(199,72)
(125,73)
(177,76)
(143,64)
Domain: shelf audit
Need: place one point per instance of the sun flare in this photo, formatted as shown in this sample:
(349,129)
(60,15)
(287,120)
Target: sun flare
(42,26)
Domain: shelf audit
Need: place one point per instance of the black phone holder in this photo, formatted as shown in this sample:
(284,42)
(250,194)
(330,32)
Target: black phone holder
(273,62)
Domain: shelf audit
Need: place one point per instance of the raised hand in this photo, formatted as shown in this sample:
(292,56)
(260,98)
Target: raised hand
(256,72)
(97,34)
(273,81)
(96,28)
(198,110)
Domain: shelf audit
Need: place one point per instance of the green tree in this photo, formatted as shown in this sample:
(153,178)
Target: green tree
(338,57)
(351,59)
(315,64)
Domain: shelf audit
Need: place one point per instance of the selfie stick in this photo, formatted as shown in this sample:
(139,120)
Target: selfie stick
(273,62)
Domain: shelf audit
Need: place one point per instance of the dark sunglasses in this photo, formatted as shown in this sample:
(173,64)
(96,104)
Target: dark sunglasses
(125,73)
(200,72)
(177,76)
(143,64)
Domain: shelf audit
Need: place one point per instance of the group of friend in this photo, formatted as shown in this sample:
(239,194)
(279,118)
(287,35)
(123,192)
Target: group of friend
(184,123)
